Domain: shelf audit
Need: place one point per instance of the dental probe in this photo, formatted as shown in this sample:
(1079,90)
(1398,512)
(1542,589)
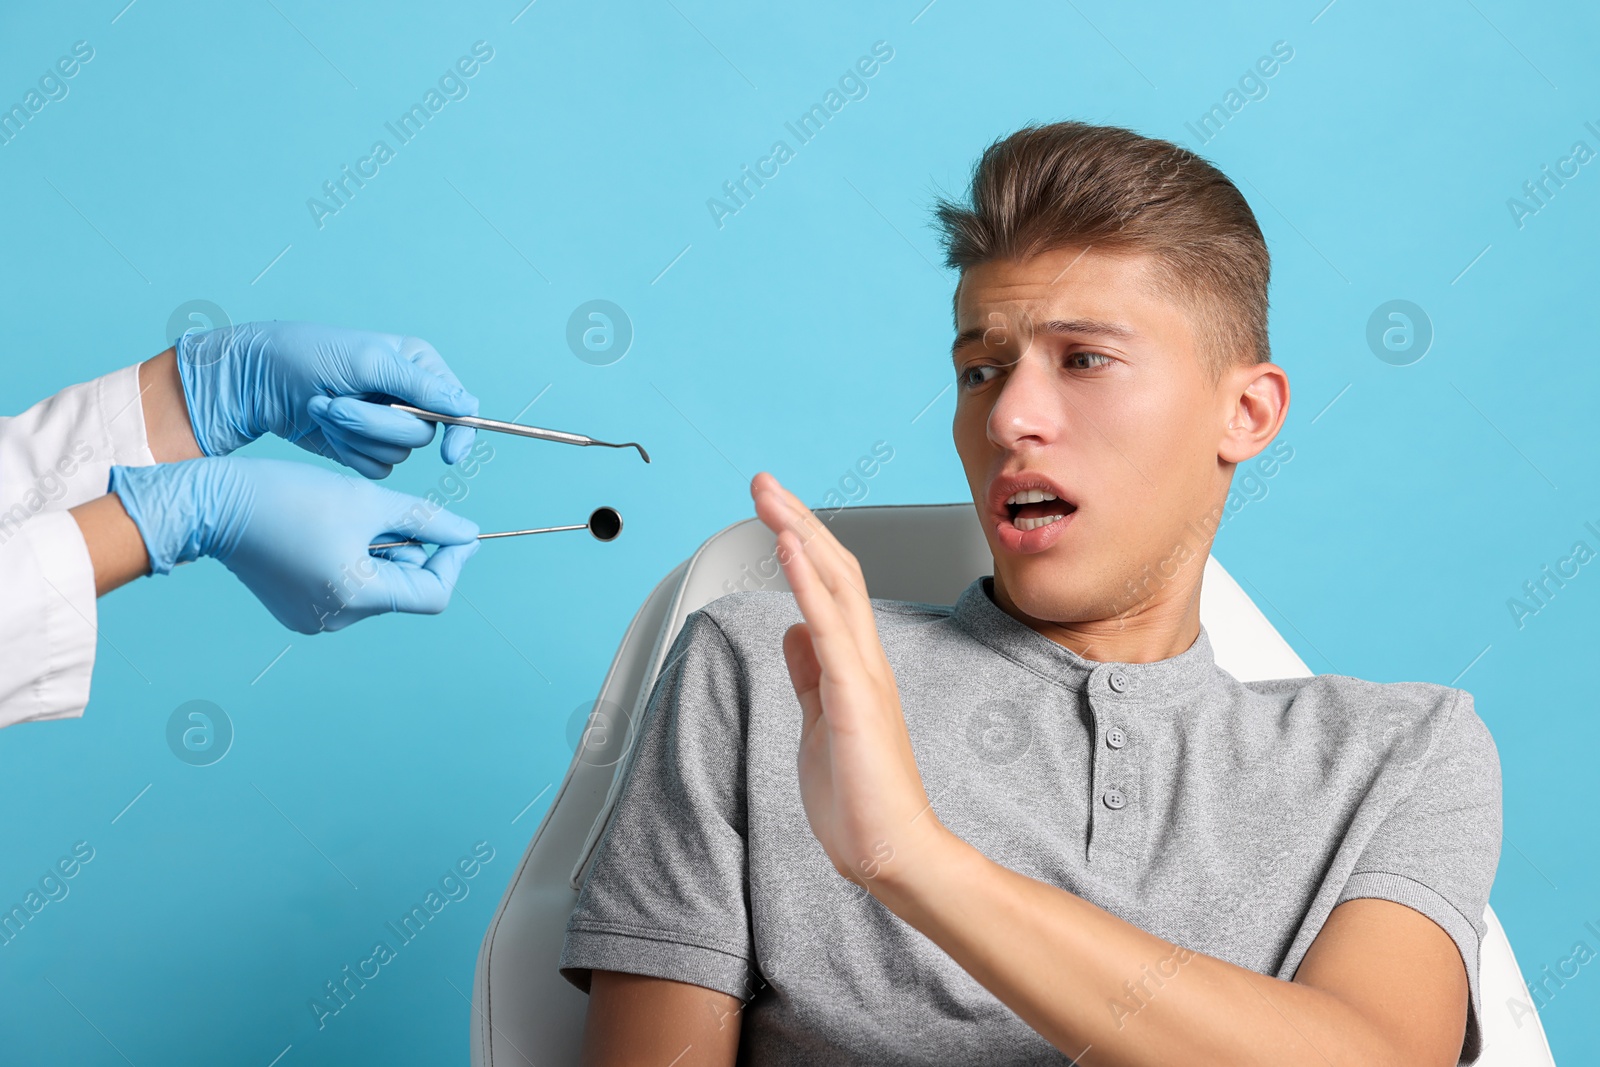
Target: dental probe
(604,523)
(515,428)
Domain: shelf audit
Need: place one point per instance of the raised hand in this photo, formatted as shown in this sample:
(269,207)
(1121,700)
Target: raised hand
(859,782)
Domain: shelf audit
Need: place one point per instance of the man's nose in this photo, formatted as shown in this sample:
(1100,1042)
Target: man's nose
(1028,408)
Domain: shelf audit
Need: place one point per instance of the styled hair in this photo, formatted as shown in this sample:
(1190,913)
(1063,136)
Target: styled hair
(1071,183)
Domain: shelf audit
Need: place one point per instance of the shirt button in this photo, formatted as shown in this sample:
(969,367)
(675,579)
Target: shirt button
(1115,737)
(1118,681)
(1113,798)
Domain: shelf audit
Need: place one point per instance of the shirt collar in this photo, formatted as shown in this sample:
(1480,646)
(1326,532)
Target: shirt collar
(1164,681)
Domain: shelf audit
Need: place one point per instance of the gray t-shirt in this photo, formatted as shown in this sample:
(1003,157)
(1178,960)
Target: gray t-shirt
(1226,817)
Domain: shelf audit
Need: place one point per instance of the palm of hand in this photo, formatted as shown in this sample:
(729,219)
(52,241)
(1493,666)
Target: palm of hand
(859,782)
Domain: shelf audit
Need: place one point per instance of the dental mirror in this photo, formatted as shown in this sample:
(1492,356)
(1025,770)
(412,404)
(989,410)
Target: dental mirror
(604,524)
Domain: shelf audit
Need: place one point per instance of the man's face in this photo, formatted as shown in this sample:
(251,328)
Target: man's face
(1075,375)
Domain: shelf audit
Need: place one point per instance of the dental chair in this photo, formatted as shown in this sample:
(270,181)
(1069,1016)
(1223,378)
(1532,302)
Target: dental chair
(526,1015)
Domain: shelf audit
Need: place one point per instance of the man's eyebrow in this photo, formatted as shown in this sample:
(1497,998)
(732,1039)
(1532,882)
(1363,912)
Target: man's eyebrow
(1083,327)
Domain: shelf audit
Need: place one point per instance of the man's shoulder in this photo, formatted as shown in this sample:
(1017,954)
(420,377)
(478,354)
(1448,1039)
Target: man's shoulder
(1358,693)
(1404,721)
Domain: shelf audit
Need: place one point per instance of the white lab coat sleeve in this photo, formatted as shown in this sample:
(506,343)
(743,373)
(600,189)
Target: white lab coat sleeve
(47,626)
(59,453)
(54,456)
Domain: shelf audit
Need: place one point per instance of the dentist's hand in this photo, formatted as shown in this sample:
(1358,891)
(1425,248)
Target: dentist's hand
(305,383)
(297,534)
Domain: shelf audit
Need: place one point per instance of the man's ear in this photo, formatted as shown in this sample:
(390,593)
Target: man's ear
(1256,401)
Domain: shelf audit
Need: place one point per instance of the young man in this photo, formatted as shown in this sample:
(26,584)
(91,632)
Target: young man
(1042,823)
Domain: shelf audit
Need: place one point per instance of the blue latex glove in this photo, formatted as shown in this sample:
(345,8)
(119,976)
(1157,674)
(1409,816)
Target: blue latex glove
(297,534)
(305,382)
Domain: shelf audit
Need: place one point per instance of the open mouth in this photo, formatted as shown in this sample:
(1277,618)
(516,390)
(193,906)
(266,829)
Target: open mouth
(1033,509)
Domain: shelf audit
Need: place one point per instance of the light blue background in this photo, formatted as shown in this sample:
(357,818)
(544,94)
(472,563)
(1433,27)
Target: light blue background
(812,324)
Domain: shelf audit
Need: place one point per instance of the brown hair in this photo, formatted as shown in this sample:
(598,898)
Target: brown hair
(1071,183)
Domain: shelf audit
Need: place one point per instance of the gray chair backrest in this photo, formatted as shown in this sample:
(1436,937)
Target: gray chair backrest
(526,1015)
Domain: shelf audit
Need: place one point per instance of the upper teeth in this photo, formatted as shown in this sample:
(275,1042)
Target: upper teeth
(1030,496)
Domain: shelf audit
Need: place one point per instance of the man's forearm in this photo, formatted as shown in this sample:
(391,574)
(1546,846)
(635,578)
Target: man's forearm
(166,412)
(1087,980)
(116,549)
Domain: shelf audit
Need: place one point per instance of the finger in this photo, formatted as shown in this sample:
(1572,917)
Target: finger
(765,487)
(400,587)
(457,441)
(838,570)
(447,561)
(835,563)
(776,513)
(428,358)
(371,455)
(315,440)
(379,451)
(421,520)
(781,515)
(839,573)
(357,419)
(355,459)
(805,673)
(415,555)
(837,650)
(380,368)
(423,590)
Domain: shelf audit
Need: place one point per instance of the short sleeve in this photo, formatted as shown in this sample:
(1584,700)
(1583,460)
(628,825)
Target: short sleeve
(1437,851)
(666,894)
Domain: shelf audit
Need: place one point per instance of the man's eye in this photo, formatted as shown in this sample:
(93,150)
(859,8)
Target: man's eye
(974,376)
(1100,358)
